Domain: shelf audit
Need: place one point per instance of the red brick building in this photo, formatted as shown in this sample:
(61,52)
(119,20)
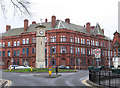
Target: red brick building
(66,44)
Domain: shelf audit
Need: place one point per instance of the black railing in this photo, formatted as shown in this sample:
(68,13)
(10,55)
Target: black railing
(105,77)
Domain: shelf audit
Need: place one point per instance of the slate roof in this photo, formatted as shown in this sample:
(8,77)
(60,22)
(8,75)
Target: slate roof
(59,25)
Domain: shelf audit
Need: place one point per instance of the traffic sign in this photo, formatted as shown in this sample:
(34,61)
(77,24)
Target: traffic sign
(97,53)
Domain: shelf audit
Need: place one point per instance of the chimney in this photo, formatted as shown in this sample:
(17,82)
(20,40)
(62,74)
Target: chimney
(46,20)
(33,22)
(53,21)
(8,27)
(67,20)
(103,31)
(88,27)
(25,25)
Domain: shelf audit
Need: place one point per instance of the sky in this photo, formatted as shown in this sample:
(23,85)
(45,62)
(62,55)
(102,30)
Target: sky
(104,12)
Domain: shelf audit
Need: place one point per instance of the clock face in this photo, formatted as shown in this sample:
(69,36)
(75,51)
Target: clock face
(41,32)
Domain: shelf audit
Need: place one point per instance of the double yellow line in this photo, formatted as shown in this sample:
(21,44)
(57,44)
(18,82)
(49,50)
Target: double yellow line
(84,82)
(8,84)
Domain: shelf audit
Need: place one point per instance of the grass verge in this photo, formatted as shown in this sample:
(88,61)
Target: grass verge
(39,70)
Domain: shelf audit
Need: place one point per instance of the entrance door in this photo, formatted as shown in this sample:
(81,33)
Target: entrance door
(8,63)
(63,62)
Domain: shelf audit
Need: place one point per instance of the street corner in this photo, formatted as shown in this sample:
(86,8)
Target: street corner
(5,83)
(90,84)
(85,82)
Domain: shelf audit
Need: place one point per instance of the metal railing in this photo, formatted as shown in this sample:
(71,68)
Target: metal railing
(105,77)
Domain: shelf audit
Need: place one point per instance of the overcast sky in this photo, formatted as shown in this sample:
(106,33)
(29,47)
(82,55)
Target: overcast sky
(104,12)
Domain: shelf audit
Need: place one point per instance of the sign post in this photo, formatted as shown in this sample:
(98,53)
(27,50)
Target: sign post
(97,55)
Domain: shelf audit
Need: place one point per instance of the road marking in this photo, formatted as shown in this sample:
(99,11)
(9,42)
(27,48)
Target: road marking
(8,84)
(84,82)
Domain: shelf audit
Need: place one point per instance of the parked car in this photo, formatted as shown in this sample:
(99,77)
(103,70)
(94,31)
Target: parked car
(26,66)
(14,67)
(62,67)
(18,67)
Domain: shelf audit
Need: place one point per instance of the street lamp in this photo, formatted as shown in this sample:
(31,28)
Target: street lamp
(109,52)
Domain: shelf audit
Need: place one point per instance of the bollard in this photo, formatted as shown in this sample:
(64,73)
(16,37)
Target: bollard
(75,68)
(56,70)
(10,69)
(50,72)
(31,68)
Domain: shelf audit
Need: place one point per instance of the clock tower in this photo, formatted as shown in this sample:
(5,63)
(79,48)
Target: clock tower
(40,46)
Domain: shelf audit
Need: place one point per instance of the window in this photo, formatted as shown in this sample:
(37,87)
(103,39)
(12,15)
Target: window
(91,42)
(53,62)
(17,52)
(71,50)
(53,39)
(18,43)
(14,53)
(83,50)
(111,53)
(8,53)
(17,61)
(33,50)
(75,50)
(78,40)
(33,40)
(83,41)
(25,62)
(3,53)
(45,39)
(71,62)
(27,41)
(27,51)
(8,44)
(88,42)
(97,43)
(75,39)
(0,44)
(0,53)
(14,43)
(23,51)
(3,62)
(88,51)
(63,49)
(78,50)
(101,43)
(53,49)
(14,62)
(23,41)
(3,44)
(71,39)
(63,38)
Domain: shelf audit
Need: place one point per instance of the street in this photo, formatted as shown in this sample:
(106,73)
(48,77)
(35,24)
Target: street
(28,79)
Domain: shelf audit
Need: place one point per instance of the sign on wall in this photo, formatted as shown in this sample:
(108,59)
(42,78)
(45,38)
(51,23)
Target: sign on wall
(98,53)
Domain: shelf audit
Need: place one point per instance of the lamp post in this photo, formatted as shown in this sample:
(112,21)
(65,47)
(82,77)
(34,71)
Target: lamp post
(47,52)
(109,52)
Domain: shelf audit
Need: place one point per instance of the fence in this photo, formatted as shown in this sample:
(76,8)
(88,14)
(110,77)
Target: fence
(105,77)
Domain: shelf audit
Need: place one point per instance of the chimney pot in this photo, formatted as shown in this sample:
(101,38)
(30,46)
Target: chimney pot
(88,27)
(33,22)
(25,25)
(46,20)
(8,27)
(53,21)
(67,20)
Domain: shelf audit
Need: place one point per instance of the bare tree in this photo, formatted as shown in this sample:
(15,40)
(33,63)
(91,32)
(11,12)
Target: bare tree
(20,7)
